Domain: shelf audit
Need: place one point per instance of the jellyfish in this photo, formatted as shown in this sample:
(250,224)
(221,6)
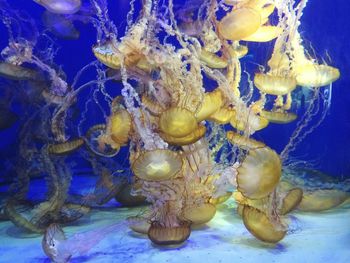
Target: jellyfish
(60,26)
(65,7)
(315,75)
(259,173)
(261,226)
(212,102)
(291,200)
(323,199)
(157,165)
(139,224)
(177,122)
(211,60)
(66,147)
(274,85)
(200,214)
(280,117)
(243,142)
(164,236)
(11,71)
(186,140)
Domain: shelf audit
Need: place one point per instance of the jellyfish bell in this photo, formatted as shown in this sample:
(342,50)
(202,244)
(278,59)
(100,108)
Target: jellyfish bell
(220,199)
(212,102)
(127,198)
(105,53)
(291,200)
(165,236)
(238,52)
(157,165)
(240,23)
(222,116)
(274,85)
(315,75)
(259,173)
(264,34)
(139,224)
(321,200)
(119,126)
(260,226)
(243,142)
(200,214)
(186,140)
(65,7)
(280,117)
(177,122)
(65,147)
(60,26)
(212,60)
(14,72)
(253,122)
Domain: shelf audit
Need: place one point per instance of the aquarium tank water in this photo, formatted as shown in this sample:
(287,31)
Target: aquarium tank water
(177,131)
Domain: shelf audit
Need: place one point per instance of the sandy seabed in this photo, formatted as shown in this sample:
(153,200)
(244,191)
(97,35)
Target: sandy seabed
(313,237)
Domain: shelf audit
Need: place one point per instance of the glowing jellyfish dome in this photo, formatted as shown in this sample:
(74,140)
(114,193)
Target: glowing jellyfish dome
(174,131)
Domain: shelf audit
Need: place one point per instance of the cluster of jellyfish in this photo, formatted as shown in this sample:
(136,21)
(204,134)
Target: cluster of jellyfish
(190,144)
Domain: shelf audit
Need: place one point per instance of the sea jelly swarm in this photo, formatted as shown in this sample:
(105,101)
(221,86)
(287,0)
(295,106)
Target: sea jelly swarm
(186,111)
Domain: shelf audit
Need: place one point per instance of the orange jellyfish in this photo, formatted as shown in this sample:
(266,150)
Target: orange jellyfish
(65,147)
(315,75)
(161,235)
(157,165)
(259,173)
(212,102)
(260,226)
(186,140)
(119,126)
(139,224)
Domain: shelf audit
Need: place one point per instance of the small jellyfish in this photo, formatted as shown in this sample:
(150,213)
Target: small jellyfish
(264,34)
(291,200)
(212,60)
(222,116)
(260,226)
(10,71)
(212,102)
(321,200)
(220,199)
(243,142)
(259,173)
(177,122)
(139,224)
(65,7)
(157,165)
(280,117)
(315,75)
(60,26)
(161,235)
(274,85)
(186,140)
(66,147)
(119,126)
(201,214)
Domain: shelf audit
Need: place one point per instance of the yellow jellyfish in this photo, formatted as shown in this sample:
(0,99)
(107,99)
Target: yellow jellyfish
(212,102)
(254,122)
(65,147)
(321,200)
(243,142)
(212,60)
(186,140)
(280,117)
(260,226)
(157,165)
(199,214)
(220,199)
(314,75)
(240,23)
(259,173)
(138,224)
(151,105)
(64,7)
(163,236)
(119,126)
(274,85)
(222,116)
(177,122)
(291,200)
(264,34)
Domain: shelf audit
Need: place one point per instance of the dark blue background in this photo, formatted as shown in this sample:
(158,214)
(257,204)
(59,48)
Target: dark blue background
(325,24)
